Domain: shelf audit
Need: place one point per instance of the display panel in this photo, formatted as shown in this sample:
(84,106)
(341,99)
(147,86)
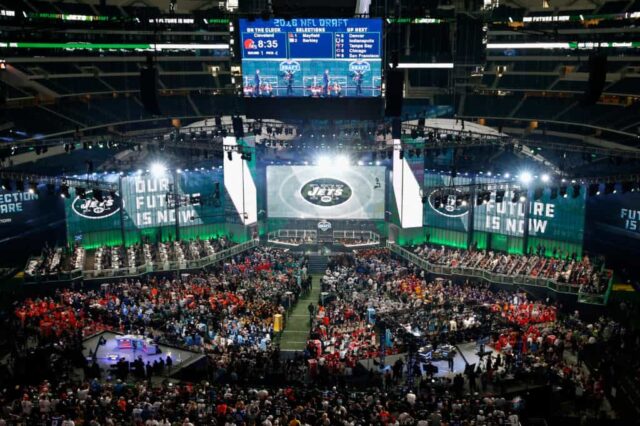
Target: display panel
(613,226)
(557,217)
(28,221)
(311,57)
(441,209)
(503,217)
(312,192)
(149,204)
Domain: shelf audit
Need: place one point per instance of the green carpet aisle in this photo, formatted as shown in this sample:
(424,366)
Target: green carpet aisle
(296,332)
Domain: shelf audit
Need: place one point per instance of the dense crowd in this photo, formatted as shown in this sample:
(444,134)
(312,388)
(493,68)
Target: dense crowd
(49,262)
(227,314)
(585,274)
(56,260)
(528,337)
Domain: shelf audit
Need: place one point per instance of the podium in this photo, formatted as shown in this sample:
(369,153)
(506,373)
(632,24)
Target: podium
(278,323)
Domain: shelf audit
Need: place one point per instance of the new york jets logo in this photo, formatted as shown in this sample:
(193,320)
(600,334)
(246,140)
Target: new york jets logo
(448,202)
(90,208)
(326,192)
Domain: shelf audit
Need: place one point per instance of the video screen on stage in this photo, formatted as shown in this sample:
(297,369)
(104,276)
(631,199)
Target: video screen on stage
(311,57)
(312,192)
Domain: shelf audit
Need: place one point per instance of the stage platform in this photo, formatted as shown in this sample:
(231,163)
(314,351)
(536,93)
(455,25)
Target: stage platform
(109,353)
(467,354)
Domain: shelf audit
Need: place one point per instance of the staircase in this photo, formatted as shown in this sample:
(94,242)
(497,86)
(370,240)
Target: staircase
(317,264)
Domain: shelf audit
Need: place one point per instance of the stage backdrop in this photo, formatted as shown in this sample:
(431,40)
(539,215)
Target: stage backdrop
(148,212)
(27,222)
(613,227)
(555,224)
(312,192)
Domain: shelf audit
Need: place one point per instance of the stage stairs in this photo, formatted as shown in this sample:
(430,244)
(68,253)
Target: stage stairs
(317,264)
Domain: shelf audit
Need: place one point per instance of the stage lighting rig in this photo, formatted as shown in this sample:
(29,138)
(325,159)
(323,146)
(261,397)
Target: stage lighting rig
(97,195)
(64,190)
(81,192)
(33,187)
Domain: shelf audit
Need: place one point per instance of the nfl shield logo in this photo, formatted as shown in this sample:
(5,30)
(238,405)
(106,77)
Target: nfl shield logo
(324,225)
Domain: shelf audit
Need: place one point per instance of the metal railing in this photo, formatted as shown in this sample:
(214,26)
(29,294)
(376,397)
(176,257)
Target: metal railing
(491,277)
(367,238)
(297,236)
(151,267)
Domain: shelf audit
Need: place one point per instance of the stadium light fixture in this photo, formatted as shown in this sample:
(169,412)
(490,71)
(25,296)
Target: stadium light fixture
(324,161)
(426,65)
(526,177)
(33,187)
(545,178)
(157,169)
(342,161)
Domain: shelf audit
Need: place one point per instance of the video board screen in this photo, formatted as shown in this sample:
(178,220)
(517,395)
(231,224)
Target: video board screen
(551,217)
(311,57)
(148,202)
(311,192)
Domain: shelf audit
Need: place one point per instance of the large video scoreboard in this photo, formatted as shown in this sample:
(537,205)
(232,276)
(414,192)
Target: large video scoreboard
(311,57)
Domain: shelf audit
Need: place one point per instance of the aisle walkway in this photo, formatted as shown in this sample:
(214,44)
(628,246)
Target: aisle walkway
(294,337)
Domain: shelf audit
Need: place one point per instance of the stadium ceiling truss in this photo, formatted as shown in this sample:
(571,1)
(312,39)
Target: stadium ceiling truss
(347,138)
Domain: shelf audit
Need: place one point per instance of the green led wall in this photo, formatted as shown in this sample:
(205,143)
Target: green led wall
(563,248)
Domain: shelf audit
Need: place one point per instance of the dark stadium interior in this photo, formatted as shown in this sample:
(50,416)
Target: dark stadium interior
(364,212)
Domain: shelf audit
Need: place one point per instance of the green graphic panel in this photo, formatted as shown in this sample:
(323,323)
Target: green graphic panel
(148,211)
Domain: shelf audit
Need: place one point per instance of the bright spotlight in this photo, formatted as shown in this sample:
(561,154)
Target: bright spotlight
(507,175)
(526,177)
(545,178)
(157,169)
(342,161)
(324,161)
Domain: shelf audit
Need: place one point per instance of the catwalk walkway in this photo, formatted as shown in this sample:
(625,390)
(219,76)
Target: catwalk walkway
(296,332)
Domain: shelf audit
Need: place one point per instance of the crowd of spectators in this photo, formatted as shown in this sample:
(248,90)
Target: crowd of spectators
(584,274)
(227,314)
(49,262)
(56,260)
(528,337)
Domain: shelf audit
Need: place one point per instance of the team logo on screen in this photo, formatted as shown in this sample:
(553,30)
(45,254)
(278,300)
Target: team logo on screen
(359,66)
(289,66)
(326,192)
(249,44)
(447,202)
(90,208)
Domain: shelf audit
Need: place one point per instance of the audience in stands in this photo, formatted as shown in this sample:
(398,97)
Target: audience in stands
(582,273)
(227,314)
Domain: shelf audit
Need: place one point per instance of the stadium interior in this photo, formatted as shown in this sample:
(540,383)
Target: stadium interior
(356,212)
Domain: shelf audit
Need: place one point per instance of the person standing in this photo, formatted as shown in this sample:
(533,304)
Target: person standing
(257,81)
(450,359)
(312,311)
(325,83)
